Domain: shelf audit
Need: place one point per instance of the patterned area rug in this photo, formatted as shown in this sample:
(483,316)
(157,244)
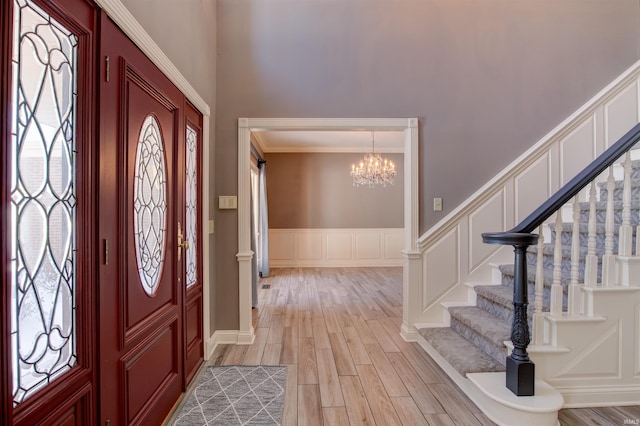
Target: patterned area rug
(236,395)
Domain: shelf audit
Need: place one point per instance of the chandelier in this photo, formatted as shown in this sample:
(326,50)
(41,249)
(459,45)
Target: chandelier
(373,169)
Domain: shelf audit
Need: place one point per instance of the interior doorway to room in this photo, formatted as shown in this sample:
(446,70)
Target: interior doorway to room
(408,128)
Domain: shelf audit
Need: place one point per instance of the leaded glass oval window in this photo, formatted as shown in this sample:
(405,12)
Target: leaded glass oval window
(150,205)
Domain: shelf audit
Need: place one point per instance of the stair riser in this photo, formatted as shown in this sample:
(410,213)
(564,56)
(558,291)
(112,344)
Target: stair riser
(548,263)
(505,311)
(508,279)
(618,191)
(601,215)
(496,350)
(567,238)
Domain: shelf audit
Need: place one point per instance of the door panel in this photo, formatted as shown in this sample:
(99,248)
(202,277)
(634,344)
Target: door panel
(141,101)
(141,298)
(193,334)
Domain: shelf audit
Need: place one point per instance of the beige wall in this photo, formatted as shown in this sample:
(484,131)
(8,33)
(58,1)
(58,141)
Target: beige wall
(186,32)
(316,191)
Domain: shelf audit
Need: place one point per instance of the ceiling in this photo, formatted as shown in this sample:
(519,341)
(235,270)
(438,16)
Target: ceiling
(271,141)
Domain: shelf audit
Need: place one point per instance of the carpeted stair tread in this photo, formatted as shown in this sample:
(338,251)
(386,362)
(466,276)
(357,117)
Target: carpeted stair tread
(459,352)
(487,331)
(498,300)
(493,328)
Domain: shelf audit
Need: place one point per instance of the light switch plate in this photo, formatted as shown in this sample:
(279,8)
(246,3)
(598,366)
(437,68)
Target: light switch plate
(227,202)
(437,204)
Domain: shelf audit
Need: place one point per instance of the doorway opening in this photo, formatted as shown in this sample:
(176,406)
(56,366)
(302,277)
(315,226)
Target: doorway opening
(409,127)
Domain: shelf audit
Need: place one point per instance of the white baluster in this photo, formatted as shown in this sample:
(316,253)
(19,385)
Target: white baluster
(538,317)
(556,287)
(626,231)
(591,268)
(608,259)
(574,305)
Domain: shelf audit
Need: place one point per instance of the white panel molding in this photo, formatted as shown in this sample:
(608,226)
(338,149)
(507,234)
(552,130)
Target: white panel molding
(531,188)
(132,28)
(545,162)
(489,216)
(592,359)
(335,247)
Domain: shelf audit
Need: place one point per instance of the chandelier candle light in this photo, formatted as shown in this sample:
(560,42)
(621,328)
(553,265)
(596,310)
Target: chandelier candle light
(373,169)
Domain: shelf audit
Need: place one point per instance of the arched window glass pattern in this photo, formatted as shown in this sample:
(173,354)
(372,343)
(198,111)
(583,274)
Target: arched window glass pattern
(191,201)
(43,200)
(150,205)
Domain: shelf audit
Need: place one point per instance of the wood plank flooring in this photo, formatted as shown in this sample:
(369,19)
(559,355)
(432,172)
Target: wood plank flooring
(337,330)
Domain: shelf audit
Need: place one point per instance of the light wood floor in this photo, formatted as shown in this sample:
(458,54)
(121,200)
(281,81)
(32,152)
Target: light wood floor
(337,330)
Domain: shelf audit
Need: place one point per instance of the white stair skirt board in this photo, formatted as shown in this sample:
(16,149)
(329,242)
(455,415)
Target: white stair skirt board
(505,408)
(489,392)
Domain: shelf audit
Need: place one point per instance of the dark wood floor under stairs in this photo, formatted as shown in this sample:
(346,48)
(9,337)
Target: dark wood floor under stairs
(337,330)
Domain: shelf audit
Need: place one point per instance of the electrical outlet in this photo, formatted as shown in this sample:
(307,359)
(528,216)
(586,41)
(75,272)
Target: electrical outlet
(437,204)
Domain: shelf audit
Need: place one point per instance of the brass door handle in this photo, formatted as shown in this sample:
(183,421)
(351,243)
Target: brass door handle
(182,244)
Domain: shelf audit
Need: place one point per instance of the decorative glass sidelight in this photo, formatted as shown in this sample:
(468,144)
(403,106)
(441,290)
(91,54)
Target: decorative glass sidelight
(43,200)
(191,205)
(150,205)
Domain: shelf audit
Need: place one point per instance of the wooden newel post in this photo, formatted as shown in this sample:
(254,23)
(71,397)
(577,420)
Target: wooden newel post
(520,369)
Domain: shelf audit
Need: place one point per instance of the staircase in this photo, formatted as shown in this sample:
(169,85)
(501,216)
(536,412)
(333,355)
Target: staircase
(475,340)
(582,320)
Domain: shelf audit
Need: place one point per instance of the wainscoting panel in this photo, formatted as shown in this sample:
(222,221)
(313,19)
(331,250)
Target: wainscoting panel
(309,245)
(368,245)
(532,188)
(335,247)
(577,150)
(621,114)
(281,246)
(487,218)
(339,246)
(441,266)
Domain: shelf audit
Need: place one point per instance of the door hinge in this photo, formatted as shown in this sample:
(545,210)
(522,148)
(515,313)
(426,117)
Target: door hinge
(105,246)
(107,63)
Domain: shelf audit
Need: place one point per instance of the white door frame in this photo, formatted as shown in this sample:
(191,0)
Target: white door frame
(411,274)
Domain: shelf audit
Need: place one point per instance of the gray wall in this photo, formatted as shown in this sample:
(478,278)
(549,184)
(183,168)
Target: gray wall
(191,46)
(487,79)
(316,191)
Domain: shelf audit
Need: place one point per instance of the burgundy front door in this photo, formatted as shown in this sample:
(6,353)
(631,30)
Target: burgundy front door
(140,286)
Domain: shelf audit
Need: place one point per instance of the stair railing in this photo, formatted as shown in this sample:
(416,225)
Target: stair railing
(520,370)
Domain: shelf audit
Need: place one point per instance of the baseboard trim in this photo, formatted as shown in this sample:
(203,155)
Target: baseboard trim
(409,334)
(605,396)
(222,337)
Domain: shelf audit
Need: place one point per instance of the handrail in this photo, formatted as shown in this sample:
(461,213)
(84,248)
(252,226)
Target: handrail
(520,375)
(575,185)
